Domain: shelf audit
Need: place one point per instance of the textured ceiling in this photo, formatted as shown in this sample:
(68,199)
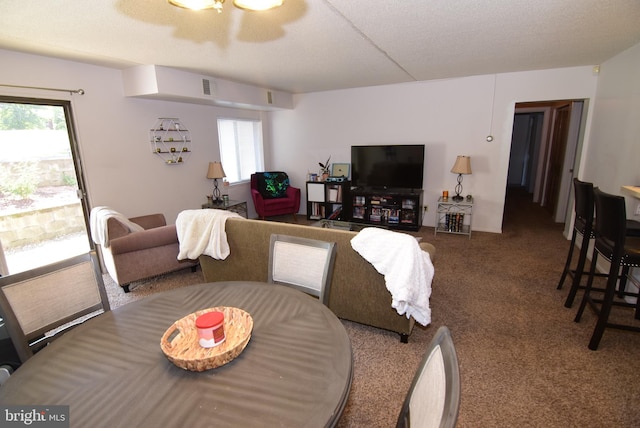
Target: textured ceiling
(316,45)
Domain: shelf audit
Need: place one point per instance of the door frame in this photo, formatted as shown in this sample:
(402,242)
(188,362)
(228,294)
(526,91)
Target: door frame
(571,164)
(74,148)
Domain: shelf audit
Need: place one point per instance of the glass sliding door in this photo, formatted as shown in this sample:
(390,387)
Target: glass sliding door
(43,214)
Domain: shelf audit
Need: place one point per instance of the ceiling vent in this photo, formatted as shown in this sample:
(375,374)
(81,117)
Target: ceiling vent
(206,86)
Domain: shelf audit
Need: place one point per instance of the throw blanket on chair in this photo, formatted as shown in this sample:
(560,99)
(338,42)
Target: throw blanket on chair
(98,224)
(202,232)
(407,269)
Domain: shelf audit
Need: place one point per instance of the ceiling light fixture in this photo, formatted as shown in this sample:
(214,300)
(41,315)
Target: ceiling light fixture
(198,4)
(217,4)
(257,4)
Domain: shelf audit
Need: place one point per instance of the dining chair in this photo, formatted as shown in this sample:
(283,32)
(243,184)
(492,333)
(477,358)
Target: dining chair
(41,304)
(433,399)
(302,263)
(622,252)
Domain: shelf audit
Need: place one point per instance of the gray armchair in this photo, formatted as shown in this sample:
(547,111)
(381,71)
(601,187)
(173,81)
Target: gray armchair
(133,256)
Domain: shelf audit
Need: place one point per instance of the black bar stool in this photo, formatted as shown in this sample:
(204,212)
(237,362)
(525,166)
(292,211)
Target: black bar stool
(583,225)
(622,252)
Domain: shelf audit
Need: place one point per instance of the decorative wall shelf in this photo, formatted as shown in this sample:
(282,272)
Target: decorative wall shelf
(170,140)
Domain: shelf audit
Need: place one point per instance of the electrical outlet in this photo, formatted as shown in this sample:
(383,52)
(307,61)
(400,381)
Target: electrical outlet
(638,209)
(426,208)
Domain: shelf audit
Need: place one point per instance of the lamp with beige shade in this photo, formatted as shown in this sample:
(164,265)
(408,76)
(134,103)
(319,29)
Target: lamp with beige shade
(462,166)
(215,171)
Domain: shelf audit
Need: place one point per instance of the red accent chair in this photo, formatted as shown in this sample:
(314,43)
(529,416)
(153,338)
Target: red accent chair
(289,203)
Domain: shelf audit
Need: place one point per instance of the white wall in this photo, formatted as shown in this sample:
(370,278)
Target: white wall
(613,157)
(113,133)
(613,154)
(451,117)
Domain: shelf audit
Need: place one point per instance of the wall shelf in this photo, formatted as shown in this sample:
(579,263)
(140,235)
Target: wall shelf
(170,140)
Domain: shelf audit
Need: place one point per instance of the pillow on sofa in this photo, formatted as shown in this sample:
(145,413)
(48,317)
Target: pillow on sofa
(273,185)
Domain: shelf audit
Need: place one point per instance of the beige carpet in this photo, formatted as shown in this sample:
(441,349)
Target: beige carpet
(523,361)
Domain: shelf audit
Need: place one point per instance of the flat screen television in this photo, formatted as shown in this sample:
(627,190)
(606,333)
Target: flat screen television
(387,166)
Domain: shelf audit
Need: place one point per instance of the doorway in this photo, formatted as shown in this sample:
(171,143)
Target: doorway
(43,214)
(546,140)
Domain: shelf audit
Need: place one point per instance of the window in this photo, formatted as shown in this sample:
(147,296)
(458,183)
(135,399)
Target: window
(240,148)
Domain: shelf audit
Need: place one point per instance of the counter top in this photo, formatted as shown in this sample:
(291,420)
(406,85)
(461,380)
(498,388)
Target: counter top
(634,190)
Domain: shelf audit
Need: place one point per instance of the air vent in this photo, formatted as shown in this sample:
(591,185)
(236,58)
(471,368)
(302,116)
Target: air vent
(269,98)
(206,87)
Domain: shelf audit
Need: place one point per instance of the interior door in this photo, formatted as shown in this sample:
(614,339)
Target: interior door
(556,157)
(43,215)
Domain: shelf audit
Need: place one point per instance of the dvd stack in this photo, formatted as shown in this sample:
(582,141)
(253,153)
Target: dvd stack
(454,222)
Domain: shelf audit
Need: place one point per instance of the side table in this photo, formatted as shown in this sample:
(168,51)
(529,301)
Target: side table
(239,207)
(451,216)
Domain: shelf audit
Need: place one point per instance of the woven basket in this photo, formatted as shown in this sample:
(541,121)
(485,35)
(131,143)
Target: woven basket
(180,342)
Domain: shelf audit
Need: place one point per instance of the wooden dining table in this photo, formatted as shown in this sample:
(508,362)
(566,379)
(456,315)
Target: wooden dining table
(296,370)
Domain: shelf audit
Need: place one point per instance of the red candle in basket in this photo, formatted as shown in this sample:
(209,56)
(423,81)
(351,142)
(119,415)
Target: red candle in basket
(210,329)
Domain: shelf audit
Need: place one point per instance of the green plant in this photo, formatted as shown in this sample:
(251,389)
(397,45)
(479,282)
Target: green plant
(69,180)
(325,166)
(22,184)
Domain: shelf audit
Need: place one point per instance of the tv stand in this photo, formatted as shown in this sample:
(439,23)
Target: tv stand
(392,208)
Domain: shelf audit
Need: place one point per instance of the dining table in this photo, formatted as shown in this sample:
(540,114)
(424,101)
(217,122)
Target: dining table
(295,371)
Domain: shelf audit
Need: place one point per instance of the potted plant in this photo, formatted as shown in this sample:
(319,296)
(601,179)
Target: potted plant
(324,171)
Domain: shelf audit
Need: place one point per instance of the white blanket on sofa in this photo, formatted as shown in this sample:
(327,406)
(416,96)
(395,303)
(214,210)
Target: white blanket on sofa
(407,269)
(202,232)
(98,224)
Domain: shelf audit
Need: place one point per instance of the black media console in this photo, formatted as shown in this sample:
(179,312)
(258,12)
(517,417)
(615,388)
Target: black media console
(392,208)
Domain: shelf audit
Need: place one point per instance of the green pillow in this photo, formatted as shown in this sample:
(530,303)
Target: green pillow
(273,185)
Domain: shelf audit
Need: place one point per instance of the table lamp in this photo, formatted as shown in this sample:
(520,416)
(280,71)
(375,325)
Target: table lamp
(462,166)
(215,171)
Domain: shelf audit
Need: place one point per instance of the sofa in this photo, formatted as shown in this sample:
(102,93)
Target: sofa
(133,256)
(358,292)
(272,194)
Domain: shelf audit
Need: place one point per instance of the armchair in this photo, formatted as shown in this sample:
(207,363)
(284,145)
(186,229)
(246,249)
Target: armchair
(135,255)
(272,194)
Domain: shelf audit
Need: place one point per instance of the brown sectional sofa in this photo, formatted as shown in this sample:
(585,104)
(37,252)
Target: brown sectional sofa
(358,292)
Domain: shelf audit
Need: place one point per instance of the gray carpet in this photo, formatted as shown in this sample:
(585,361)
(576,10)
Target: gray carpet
(523,361)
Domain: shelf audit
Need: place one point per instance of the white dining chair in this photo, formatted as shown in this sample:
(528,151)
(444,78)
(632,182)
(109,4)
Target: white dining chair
(41,304)
(302,263)
(433,398)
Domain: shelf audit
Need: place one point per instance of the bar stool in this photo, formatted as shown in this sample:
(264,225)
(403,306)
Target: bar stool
(583,225)
(622,252)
